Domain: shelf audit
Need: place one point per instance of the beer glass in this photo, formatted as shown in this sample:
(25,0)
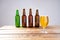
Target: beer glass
(43,23)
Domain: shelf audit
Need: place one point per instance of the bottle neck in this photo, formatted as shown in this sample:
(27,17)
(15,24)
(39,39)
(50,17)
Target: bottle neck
(23,11)
(17,12)
(30,12)
(37,13)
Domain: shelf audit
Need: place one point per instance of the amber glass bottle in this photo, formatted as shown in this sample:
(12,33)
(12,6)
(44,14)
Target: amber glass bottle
(24,19)
(30,19)
(37,19)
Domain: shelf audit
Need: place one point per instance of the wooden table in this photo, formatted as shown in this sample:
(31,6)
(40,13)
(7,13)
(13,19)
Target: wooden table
(13,33)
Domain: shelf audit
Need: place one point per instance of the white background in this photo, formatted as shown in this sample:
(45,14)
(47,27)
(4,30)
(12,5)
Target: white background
(46,7)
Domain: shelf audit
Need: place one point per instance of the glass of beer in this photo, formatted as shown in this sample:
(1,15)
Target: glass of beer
(44,22)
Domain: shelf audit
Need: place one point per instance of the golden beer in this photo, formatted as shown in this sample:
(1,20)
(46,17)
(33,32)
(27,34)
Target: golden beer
(43,21)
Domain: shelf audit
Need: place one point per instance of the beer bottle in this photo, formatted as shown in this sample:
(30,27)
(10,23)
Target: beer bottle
(24,19)
(37,19)
(30,19)
(17,19)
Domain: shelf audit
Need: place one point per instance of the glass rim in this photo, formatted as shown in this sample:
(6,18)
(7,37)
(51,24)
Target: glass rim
(43,15)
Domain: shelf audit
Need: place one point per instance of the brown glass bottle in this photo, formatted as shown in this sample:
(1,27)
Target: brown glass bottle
(24,19)
(37,19)
(30,19)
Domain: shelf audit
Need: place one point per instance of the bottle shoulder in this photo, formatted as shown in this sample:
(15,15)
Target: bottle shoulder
(17,15)
(37,15)
(23,15)
(30,15)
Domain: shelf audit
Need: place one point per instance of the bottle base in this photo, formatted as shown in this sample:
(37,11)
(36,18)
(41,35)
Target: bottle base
(30,27)
(36,26)
(17,26)
(24,26)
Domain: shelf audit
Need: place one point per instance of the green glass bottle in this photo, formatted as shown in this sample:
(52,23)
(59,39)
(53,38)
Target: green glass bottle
(17,19)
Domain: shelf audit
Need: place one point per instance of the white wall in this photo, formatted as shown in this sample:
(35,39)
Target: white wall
(46,7)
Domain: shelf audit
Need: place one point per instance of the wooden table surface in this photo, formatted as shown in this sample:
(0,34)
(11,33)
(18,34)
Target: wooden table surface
(13,33)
